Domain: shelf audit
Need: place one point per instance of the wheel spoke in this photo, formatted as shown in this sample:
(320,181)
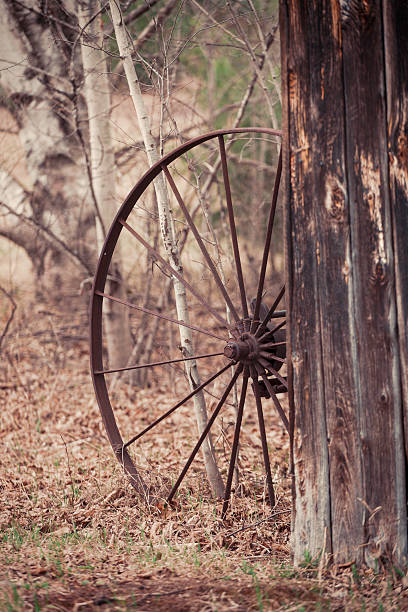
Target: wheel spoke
(158,315)
(270,332)
(174,272)
(178,405)
(278,384)
(205,432)
(156,363)
(234,237)
(267,242)
(267,365)
(271,357)
(269,314)
(272,344)
(275,329)
(200,242)
(235,443)
(265,451)
(273,396)
(278,314)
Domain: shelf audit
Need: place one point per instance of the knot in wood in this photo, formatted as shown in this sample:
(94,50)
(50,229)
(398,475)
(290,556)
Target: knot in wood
(379,276)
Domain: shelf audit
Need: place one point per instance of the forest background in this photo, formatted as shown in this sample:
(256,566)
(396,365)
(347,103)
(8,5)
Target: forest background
(74,534)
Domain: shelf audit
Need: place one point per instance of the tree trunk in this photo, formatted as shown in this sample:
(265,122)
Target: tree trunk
(345,67)
(170,244)
(38,92)
(96,90)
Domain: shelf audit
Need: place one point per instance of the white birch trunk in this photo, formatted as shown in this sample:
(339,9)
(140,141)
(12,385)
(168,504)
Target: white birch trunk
(170,244)
(33,71)
(98,100)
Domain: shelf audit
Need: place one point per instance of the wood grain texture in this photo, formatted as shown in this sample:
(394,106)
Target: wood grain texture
(374,303)
(396,69)
(344,344)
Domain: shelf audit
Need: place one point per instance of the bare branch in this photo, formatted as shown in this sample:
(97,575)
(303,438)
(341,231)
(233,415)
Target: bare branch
(255,62)
(154,24)
(133,15)
(54,241)
(263,39)
(217,23)
(237,121)
(47,15)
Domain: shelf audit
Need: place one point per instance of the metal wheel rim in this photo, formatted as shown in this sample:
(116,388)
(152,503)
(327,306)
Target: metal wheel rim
(99,382)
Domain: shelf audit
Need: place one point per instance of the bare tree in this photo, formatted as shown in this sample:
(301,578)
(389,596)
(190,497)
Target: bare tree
(170,243)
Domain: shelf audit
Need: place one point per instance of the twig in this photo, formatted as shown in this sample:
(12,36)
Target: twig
(163,594)
(148,31)
(69,471)
(133,15)
(11,315)
(254,61)
(154,24)
(217,23)
(262,40)
(228,535)
(20,380)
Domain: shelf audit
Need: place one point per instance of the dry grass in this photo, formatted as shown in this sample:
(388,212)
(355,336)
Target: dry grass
(74,536)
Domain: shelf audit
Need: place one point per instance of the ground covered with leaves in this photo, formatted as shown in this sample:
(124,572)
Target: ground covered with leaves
(75,536)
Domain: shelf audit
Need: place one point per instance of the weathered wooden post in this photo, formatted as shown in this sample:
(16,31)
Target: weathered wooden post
(345,115)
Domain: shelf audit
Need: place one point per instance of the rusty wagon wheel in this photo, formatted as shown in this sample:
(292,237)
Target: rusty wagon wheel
(238,339)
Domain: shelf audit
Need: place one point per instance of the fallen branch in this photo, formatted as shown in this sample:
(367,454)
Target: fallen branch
(252,525)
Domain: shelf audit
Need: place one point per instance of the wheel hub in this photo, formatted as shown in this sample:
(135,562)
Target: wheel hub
(245,349)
